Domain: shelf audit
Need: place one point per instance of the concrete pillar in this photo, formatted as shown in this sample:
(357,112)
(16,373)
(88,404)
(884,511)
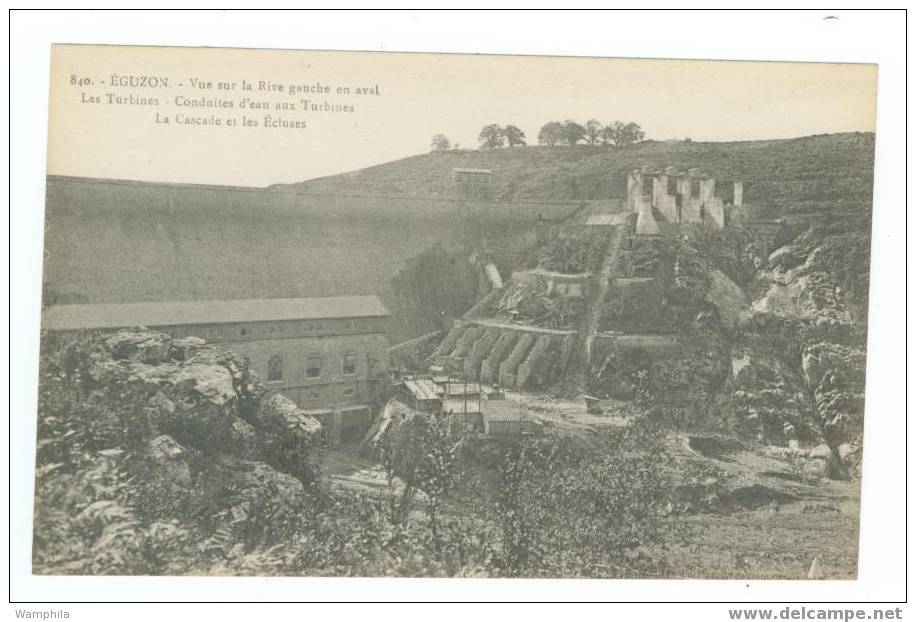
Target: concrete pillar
(659,188)
(646,224)
(708,188)
(634,190)
(739,194)
(683,186)
(336,424)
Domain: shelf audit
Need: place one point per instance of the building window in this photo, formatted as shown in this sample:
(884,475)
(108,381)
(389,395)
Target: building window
(313,366)
(275,368)
(648,183)
(244,331)
(694,188)
(349,363)
(672,185)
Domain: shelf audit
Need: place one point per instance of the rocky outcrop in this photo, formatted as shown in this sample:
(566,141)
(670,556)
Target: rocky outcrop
(139,345)
(801,285)
(191,396)
(175,437)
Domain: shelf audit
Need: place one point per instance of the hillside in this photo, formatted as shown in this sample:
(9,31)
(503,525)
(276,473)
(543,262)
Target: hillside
(813,168)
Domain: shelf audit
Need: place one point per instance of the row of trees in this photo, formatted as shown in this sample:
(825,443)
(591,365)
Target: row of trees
(492,136)
(593,132)
(569,132)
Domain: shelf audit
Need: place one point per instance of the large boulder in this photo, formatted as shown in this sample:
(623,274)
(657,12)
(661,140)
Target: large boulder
(153,376)
(194,403)
(185,347)
(280,415)
(139,345)
(245,383)
(786,257)
(728,298)
(212,383)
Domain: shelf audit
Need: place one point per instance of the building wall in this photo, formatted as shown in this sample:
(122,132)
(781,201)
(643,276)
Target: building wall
(295,342)
(512,427)
(473,185)
(245,332)
(497,428)
(472,422)
(332,386)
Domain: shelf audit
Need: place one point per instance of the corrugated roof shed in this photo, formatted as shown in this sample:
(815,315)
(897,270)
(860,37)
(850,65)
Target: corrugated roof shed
(459,388)
(76,317)
(459,406)
(422,389)
(504,410)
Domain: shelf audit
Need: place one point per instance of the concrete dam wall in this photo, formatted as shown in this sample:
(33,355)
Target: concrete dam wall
(122,241)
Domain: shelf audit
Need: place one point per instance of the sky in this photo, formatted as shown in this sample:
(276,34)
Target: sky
(93,134)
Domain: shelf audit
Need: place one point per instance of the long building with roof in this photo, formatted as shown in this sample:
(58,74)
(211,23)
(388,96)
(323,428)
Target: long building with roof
(327,354)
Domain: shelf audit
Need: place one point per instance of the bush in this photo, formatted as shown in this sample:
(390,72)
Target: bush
(562,514)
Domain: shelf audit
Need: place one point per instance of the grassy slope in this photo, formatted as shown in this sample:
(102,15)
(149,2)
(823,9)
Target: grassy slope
(815,168)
